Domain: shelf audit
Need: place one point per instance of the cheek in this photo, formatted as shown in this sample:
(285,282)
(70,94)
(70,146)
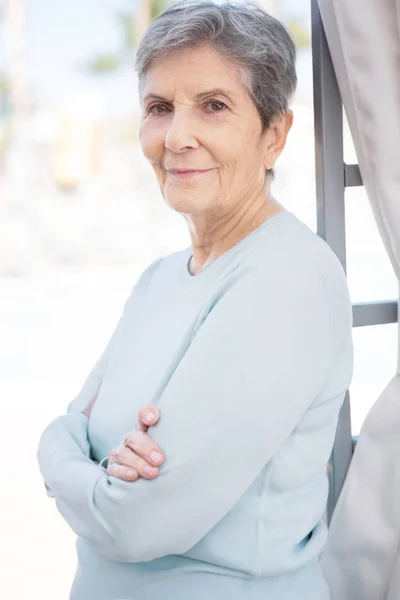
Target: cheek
(152,140)
(234,147)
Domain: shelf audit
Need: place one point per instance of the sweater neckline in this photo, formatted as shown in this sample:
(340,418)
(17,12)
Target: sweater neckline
(188,253)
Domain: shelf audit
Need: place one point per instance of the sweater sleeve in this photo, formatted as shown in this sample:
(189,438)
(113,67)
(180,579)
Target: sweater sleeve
(257,362)
(94,379)
(75,427)
(69,433)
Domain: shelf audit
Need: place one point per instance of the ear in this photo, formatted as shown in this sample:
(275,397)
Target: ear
(276,137)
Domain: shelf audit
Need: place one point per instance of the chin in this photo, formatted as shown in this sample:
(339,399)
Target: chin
(185,203)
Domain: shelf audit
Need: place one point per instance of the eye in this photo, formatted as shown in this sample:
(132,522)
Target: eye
(216,106)
(157,109)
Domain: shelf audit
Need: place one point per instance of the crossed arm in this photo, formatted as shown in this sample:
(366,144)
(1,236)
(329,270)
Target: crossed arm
(257,363)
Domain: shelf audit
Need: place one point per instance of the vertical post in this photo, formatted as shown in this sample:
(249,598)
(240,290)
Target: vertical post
(142,20)
(330,182)
(16,48)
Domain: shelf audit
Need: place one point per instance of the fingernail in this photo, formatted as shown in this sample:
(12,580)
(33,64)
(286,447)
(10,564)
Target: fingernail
(156,457)
(150,416)
(149,470)
(131,473)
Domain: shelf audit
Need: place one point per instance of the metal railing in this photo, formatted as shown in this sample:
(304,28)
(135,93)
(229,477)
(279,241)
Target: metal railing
(332,178)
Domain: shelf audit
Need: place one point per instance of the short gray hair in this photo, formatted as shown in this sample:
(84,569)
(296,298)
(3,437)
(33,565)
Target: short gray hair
(243,33)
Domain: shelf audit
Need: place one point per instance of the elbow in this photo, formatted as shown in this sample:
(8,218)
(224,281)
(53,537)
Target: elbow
(117,548)
(143,547)
(126,550)
(123,545)
(139,533)
(134,550)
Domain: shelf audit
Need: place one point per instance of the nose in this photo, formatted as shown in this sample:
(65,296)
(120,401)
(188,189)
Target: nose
(181,134)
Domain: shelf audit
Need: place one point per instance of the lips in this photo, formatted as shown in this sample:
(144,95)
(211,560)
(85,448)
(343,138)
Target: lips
(187,173)
(184,171)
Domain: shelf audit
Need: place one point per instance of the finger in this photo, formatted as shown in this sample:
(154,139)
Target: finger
(122,472)
(144,446)
(125,457)
(147,416)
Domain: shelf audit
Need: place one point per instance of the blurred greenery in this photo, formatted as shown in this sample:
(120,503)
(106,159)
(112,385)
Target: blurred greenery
(5,138)
(5,101)
(104,63)
(157,7)
(128,33)
(5,124)
(4,85)
(111,62)
(300,33)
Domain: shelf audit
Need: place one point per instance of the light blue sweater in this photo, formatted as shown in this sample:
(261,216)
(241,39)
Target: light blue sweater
(249,362)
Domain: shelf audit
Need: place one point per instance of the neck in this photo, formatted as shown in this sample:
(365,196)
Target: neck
(209,244)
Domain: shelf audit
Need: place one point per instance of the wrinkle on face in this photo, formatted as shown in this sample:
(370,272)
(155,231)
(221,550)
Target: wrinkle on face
(188,133)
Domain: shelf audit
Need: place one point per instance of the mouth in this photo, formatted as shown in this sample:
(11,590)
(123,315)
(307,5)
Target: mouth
(183,173)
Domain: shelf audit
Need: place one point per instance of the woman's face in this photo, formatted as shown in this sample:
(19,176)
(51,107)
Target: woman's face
(198,116)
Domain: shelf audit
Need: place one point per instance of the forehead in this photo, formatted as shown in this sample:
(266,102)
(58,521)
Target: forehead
(193,70)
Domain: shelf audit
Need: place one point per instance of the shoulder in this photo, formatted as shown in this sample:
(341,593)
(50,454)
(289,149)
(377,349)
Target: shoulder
(299,266)
(292,269)
(296,253)
(143,281)
(161,274)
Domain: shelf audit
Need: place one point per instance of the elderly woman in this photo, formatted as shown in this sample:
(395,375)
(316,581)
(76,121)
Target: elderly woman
(241,343)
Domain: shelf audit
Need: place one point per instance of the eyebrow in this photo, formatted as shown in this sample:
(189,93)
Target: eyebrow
(201,96)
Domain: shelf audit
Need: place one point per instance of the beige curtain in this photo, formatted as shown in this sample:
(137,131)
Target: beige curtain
(362,556)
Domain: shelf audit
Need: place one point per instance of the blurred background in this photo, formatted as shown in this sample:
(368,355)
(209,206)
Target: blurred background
(81,216)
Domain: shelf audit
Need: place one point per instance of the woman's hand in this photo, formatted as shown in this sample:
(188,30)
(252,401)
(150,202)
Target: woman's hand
(137,456)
